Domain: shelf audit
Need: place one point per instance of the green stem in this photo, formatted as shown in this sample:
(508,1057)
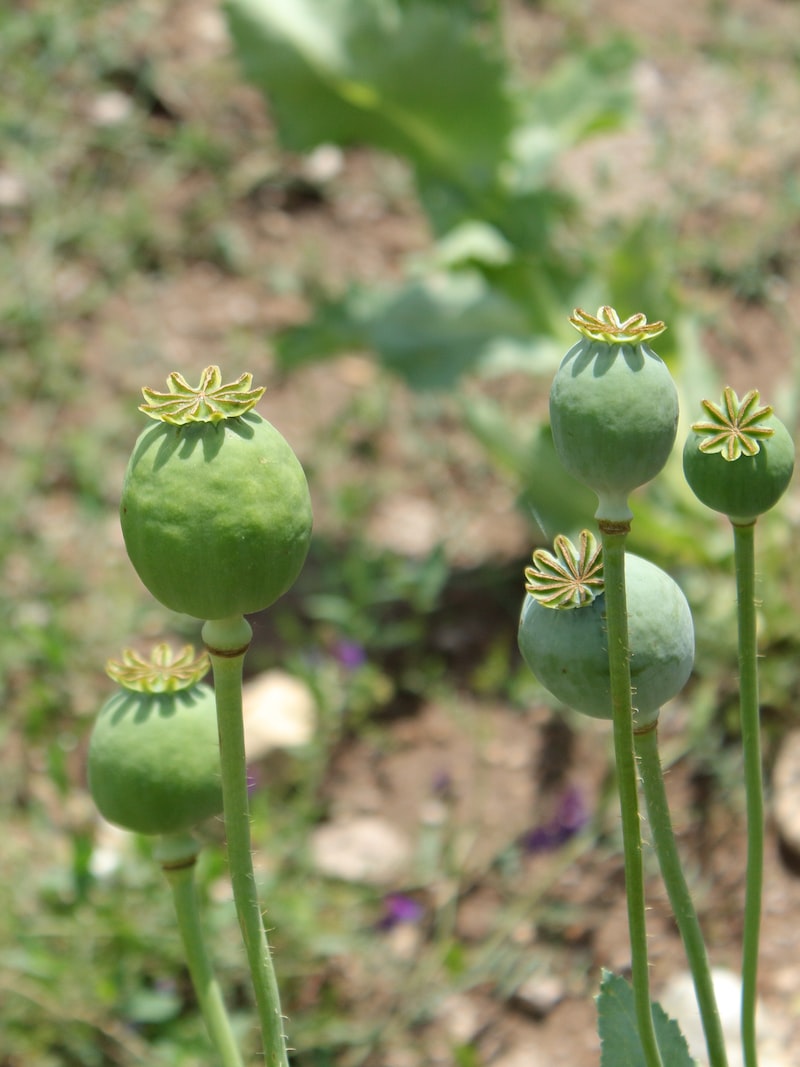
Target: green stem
(678,892)
(744,557)
(177,857)
(227,641)
(614,534)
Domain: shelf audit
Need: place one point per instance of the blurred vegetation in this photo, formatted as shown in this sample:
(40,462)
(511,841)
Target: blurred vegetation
(122,169)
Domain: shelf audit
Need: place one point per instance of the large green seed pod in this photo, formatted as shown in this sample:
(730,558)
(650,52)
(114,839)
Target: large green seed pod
(215,508)
(562,632)
(613,408)
(739,461)
(153,760)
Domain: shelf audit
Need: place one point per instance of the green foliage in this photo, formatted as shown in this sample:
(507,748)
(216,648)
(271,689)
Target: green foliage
(429,83)
(510,252)
(412,80)
(619,1036)
(122,211)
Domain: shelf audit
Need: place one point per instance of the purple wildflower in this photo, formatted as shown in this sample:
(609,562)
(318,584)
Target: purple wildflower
(350,654)
(399,908)
(570,817)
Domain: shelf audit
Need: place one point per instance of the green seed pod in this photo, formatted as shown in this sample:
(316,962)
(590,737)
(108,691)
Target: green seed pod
(562,632)
(740,460)
(215,508)
(153,761)
(613,408)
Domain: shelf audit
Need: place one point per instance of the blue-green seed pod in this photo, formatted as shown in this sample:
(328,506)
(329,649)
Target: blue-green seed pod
(153,760)
(613,408)
(215,508)
(563,638)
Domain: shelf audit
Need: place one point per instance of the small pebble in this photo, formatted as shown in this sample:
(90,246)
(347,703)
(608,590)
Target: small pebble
(538,995)
(786,791)
(678,1001)
(364,849)
(279,712)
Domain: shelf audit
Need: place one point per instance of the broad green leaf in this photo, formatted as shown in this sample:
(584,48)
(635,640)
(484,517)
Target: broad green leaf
(443,326)
(413,79)
(551,498)
(429,332)
(586,93)
(336,326)
(619,1036)
(473,242)
(582,95)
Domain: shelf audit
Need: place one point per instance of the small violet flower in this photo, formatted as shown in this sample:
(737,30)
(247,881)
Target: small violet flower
(570,817)
(399,908)
(350,654)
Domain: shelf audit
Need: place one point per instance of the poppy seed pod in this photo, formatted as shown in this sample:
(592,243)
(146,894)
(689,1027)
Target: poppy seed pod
(562,632)
(153,759)
(739,459)
(613,408)
(215,509)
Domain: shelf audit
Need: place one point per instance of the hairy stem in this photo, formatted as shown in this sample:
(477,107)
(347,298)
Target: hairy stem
(614,534)
(227,641)
(744,557)
(678,892)
(177,858)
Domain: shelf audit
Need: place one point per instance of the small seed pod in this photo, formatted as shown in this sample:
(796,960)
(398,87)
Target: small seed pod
(562,632)
(215,508)
(153,761)
(739,460)
(613,408)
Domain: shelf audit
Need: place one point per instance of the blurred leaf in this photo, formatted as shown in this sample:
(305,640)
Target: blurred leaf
(412,79)
(619,1036)
(438,328)
(473,242)
(587,93)
(429,332)
(152,1006)
(554,500)
(337,326)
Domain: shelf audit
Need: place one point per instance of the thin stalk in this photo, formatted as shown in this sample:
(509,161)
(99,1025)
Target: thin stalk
(680,898)
(179,871)
(614,534)
(744,558)
(227,641)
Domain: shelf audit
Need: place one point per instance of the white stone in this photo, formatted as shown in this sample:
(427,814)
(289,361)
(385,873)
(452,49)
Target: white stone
(110,108)
(460,1018)
(523,1055)
(539,994)
(279,712)
(112,845)
(13,190)
(364,848)
(786,791)
(678,1001)
(323,164)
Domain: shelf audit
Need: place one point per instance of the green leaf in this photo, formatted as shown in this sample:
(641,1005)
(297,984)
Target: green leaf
(619,1036)
(554,501)
(587,93)
(429,332)
(414,79)
(438,328)
(336,326)
(584,94)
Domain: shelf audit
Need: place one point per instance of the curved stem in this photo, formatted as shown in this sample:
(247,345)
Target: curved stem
(227,641)
(680,898)
(178,863)
(744,558)
(614,534)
